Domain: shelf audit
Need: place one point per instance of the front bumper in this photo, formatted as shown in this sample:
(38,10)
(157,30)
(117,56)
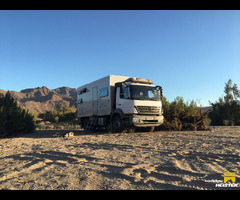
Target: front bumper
(144,120)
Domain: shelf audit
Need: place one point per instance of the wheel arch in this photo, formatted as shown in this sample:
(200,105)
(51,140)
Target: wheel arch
(116,112)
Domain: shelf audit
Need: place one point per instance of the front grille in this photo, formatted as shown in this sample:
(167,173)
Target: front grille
(150,121)
(148,109)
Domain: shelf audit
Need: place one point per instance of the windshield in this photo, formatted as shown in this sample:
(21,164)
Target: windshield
(144,93)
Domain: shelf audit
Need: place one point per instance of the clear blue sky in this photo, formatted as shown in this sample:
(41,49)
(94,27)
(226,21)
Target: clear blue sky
(189,53)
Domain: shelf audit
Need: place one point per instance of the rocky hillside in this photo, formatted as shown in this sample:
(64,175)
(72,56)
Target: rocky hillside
(40,99)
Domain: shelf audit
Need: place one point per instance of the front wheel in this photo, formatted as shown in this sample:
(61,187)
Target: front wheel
(117,124)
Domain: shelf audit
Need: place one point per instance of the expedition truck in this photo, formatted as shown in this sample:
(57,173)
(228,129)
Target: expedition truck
(120,102)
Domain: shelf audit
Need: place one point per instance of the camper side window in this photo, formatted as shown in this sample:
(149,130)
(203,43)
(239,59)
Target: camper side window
(103,92)
(83,90)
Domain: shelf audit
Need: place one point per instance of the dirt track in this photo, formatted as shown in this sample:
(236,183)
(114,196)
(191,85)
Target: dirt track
(158,160)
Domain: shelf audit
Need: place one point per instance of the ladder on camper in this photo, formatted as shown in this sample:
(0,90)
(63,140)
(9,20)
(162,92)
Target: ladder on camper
(91,124)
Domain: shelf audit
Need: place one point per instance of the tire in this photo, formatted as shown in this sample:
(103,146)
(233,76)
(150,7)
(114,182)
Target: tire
(85,124)
(117,124)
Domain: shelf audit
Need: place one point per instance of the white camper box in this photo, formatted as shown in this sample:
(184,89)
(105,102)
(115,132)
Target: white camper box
(93,98)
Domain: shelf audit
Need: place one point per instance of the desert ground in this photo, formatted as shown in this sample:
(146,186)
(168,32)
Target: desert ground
(169,160)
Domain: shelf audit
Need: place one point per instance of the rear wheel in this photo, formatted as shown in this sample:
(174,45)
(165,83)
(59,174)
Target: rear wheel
(85,124)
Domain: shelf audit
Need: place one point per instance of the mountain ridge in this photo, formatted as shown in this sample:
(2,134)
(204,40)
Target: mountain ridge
(40,99)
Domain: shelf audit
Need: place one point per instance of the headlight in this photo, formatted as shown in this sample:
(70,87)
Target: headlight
(135,120)
(135,110)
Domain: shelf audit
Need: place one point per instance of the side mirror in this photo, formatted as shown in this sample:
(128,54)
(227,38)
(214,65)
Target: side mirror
(159,88)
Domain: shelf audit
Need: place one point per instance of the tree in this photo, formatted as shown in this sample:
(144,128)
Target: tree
(13,118)
(226,111)
(231,91)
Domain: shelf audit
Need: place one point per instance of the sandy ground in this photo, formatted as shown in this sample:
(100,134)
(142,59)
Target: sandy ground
(99,161)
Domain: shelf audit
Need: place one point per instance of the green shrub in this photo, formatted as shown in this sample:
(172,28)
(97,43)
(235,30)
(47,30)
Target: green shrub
(13,118)
(56,119)
(179,115)
(66,113)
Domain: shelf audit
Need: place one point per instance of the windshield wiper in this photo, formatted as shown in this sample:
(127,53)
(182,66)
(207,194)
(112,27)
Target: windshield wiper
(155,98)
(141,98)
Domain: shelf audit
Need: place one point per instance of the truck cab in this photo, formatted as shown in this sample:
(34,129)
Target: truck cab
(138,103)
